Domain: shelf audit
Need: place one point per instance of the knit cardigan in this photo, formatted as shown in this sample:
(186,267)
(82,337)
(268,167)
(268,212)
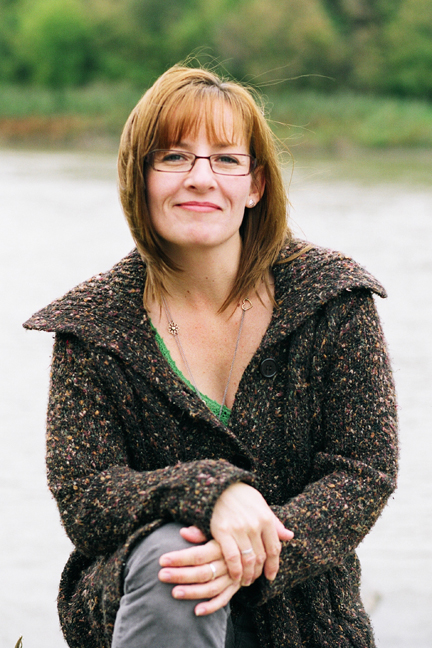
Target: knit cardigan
(130,446)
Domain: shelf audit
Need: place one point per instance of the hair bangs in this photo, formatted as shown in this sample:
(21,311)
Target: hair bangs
(223,117)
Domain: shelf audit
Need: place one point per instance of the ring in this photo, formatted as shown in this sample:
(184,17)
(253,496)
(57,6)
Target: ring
(213,568)
(246,551)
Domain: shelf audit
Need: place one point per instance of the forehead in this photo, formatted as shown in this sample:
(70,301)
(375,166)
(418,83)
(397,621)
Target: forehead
(221,123)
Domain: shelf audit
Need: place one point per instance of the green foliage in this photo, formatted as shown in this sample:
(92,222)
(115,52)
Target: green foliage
(8,62)
(306,119)
(319,120)
(379,46)
(140,39)
(408,41)
(54,42)
(280,39)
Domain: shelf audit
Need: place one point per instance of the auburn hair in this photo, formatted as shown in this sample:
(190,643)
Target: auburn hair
(178,104)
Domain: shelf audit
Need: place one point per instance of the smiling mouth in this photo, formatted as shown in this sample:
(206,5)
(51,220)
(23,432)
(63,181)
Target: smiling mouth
(199,206)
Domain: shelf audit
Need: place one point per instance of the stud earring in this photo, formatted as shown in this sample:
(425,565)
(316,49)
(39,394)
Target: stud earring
(251,203)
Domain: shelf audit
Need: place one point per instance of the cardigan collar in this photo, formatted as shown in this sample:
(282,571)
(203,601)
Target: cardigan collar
(108,311)
(311,279)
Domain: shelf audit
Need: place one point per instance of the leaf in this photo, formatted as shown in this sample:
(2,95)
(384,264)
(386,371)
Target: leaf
(19,643)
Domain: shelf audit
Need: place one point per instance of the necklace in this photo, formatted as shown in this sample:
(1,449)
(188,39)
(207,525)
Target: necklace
(173,329)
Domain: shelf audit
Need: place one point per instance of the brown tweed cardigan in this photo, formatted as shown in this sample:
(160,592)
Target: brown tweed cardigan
(131,446)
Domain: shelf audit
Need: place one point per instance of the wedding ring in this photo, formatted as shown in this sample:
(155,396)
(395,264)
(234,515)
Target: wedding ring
(213,568)
(246,551)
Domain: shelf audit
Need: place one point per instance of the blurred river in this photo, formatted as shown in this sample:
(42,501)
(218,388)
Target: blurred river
(61,223)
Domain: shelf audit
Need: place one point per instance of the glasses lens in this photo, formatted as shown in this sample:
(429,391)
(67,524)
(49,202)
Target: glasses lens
(181,161)
(231,164)
(172,161)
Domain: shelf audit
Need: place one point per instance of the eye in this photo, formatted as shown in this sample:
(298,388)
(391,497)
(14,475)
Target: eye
(172,157)
(226,159)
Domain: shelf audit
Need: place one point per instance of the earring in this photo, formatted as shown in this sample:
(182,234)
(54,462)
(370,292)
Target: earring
(251,203)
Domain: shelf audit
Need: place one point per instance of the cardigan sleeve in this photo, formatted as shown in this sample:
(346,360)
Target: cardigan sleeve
(354,469)
(101,499)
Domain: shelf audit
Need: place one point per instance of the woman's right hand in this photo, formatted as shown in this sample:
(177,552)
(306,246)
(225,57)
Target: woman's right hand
(199,572)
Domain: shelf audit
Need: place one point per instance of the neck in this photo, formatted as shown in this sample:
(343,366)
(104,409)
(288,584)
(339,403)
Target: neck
(207,276)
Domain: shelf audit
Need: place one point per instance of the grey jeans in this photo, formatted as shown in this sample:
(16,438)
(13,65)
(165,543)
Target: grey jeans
(149,616)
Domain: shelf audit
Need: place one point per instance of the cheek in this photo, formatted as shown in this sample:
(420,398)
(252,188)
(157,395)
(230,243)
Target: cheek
(152,190)
(159,187)
(240,195)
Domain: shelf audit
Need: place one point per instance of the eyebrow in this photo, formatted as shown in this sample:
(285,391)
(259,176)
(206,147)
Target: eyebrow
(219,145)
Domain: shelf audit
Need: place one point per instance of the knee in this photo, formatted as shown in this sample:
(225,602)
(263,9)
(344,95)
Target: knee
(166,538)
(143,562)
(147,603)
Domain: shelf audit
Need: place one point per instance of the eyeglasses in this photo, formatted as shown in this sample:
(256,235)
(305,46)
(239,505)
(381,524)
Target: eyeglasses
(235,164)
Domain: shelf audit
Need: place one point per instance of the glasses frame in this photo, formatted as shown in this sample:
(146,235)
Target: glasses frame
(149,158)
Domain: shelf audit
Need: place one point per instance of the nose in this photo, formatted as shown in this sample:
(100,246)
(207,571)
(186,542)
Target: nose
(201,175)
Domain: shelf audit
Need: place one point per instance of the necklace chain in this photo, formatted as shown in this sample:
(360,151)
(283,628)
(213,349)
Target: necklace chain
(173,329)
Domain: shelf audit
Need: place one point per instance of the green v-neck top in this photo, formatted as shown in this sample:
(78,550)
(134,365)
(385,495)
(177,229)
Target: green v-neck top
(213,405)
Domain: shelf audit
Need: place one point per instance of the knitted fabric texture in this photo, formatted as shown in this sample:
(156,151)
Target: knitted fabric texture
(131,446)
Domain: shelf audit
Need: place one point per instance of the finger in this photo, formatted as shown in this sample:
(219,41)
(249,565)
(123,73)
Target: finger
(217,602)
(207,590)
(197,555)
(232,556)
(260,558)
(192,534)
(253,559)
(193,575)
(272,548)
(282,531)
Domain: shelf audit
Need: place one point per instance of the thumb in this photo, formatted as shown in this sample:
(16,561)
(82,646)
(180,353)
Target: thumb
(283,532)
(192,534)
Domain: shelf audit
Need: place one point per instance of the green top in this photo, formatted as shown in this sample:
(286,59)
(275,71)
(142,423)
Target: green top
(213,405)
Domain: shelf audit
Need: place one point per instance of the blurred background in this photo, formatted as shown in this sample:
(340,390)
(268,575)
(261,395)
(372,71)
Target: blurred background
(339,72)
(347,86)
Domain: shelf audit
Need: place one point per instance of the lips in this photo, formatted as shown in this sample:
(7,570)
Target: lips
(198,206)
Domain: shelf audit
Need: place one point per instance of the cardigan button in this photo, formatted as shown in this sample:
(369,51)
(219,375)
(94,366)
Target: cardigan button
(268,368)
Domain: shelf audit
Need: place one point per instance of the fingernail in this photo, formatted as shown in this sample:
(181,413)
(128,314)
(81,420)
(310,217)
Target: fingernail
(165,575)
(165,561)
(199,611)
(178,593)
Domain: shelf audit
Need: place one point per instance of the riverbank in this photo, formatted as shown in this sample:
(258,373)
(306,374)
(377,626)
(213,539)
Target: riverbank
(307,121)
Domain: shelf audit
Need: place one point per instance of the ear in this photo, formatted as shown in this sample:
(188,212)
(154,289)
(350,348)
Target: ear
(257,188)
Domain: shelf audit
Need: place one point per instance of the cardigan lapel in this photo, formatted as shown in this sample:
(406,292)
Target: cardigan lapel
(107,311)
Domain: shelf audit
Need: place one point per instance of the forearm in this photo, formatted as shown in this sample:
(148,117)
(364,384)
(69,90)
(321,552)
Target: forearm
(100,512)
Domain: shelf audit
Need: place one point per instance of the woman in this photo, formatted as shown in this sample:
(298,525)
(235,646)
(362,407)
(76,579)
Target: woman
(221,424)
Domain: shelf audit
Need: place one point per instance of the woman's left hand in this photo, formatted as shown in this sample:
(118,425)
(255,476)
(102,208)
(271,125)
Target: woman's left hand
(199,573)
(248,532)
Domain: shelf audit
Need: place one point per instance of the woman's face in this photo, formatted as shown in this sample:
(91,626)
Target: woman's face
(200,208)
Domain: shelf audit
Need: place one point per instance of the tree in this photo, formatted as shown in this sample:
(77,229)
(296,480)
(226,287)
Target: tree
(408,50)
(265,40)
(54,40)
(140,39)
(8,18)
